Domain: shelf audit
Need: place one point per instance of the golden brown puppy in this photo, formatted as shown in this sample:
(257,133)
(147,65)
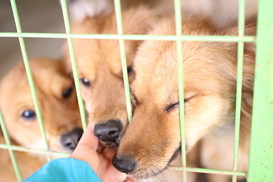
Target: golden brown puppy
(100,69)
(58,104)
(153,137)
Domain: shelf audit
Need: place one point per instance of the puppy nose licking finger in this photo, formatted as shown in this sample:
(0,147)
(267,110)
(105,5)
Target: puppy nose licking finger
(109,132)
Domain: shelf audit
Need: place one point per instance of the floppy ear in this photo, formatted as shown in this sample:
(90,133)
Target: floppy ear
(138,20)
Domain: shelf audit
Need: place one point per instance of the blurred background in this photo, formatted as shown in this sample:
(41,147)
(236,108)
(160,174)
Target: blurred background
(39,16)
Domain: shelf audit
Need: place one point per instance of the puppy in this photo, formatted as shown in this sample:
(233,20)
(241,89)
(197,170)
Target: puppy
(58,104)
(100,69)
(152,139)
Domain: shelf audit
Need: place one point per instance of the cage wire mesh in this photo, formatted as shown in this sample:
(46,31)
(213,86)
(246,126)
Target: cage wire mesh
(261,150)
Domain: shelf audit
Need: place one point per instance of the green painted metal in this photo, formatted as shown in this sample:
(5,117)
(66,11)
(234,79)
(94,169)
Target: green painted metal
(123,60)
(30,150)
(240,63)
(208,171)
(261,150)
(74,65)
(179,47)
(130,37)
(29,73)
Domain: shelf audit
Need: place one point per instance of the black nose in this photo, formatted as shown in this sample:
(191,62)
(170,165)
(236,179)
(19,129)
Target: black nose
(124,164)
(109,131)
(70,140)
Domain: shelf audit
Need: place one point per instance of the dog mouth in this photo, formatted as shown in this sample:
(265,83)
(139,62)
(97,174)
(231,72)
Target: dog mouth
(153,171)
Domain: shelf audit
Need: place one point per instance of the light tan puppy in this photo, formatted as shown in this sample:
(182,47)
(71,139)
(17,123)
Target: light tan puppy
(153,137)
(100,69)
(58,104)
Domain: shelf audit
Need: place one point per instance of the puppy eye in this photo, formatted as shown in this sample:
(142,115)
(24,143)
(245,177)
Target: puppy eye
(85,82)
(129,69)
(67,92)
(29,115)
(171,107)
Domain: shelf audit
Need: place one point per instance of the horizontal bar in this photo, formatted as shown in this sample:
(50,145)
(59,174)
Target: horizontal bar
(208,171)
(133,37)
(24,149)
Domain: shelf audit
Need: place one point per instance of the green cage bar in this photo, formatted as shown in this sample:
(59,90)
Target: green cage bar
(73,63)
(240,63)
(261,149)
(29,73)
(129,37)
(123,60)
(178,27)
(11,152)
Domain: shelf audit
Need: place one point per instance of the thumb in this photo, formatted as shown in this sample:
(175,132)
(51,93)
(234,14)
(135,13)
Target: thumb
(87,145)
(88,139)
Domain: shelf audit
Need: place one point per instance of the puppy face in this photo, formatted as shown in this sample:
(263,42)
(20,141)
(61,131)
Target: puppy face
(57,101)
(100,69)
(153,138)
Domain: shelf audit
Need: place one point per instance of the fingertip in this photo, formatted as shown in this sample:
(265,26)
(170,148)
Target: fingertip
(88,137)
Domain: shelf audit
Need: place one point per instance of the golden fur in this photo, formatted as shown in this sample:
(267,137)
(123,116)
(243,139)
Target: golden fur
(60,113)
(153,136)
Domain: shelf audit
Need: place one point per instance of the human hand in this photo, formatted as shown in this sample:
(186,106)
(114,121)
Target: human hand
(101,162)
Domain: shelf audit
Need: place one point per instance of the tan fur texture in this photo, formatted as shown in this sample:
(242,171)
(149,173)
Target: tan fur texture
(99,61)
(59,115)
(153,136)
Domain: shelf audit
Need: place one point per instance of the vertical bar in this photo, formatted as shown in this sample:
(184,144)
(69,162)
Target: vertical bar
(11,152)
(261,148)
(240,62)
(74,65)
(123,59)
(29,73)
(178,25)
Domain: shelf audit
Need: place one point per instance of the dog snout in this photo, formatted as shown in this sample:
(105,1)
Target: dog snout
(124,163)
(70,140)
(109,132)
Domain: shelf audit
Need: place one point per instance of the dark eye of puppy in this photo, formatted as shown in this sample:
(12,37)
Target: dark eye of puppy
(130,69)
(85,82)
(29,115)
(67,92)
(171,107)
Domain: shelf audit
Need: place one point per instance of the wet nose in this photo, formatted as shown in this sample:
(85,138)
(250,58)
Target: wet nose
(70,140)
(109,131)
(125,164)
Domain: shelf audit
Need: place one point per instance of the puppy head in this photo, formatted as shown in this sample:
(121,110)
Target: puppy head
(57,101)
(100,69)
(153,138)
